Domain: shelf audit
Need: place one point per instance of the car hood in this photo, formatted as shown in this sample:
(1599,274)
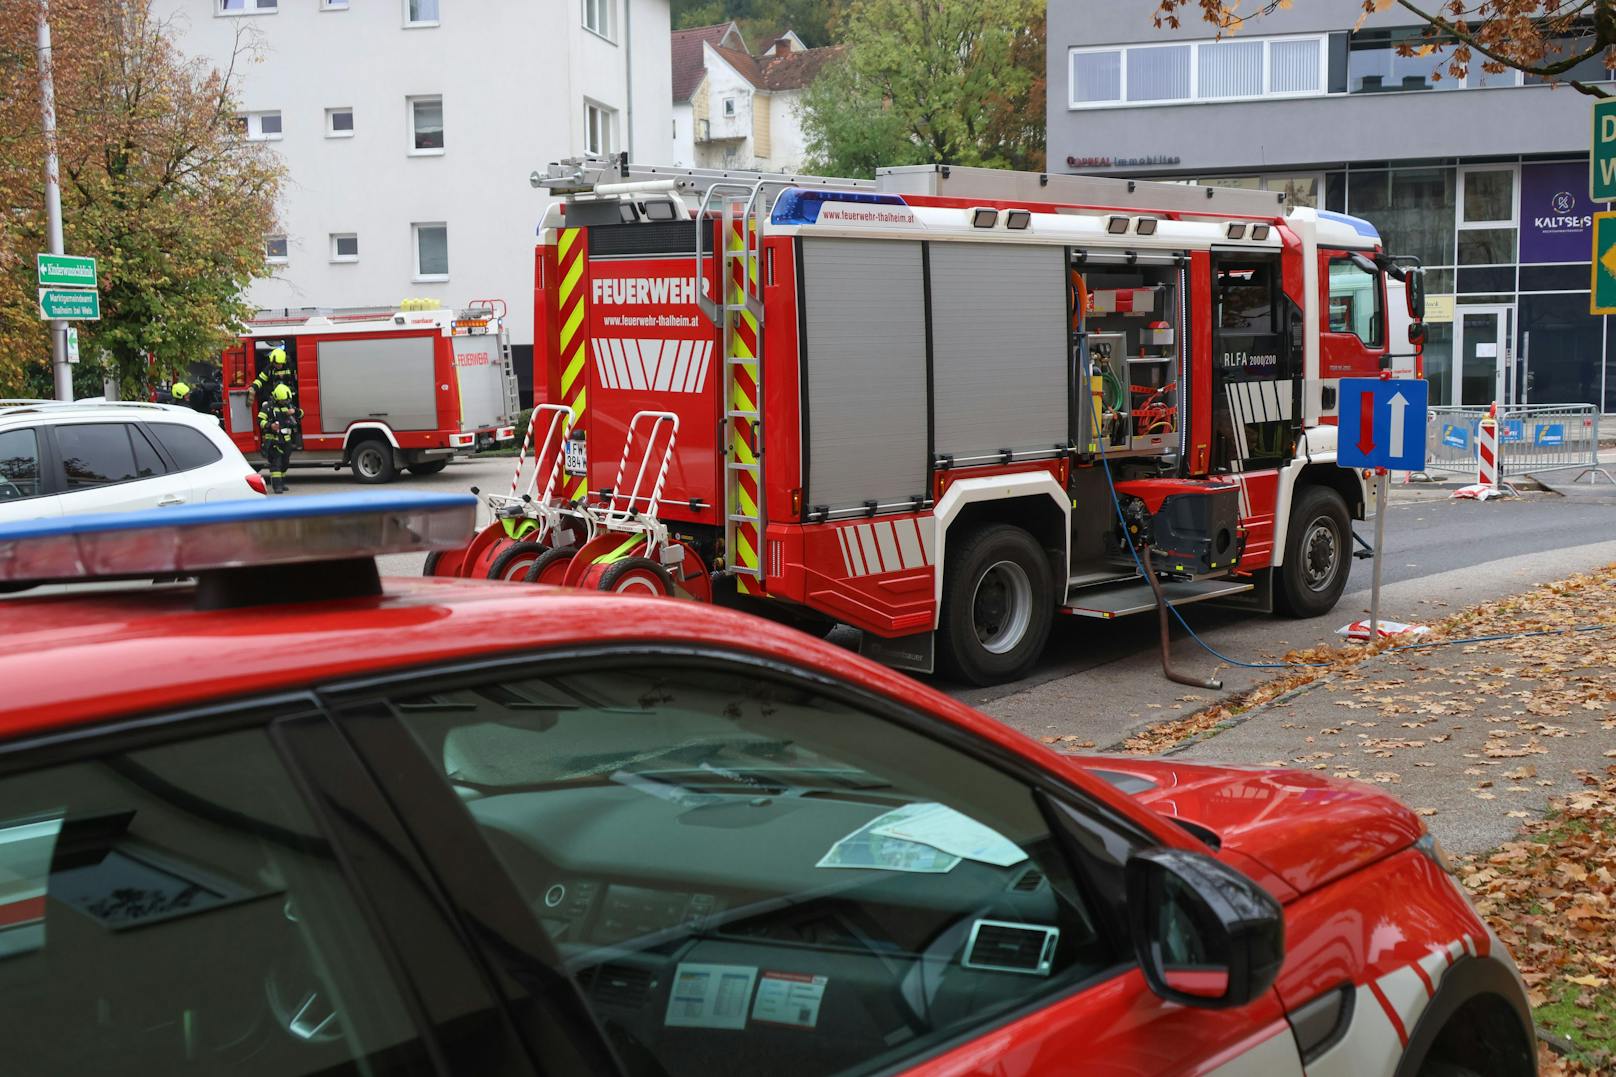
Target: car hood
(1305,828)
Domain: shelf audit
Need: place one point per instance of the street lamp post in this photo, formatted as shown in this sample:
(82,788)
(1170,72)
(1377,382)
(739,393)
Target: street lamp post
(53,195)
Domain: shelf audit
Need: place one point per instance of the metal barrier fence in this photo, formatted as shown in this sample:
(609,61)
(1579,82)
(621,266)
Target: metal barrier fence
(1531,439)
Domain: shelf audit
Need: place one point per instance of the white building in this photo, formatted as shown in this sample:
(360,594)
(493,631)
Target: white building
(735,110)
(409,129)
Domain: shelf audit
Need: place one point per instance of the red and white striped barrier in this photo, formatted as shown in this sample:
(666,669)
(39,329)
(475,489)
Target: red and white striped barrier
(1487,484)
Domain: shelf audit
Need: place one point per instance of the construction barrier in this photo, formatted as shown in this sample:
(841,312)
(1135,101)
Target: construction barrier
(1532,439)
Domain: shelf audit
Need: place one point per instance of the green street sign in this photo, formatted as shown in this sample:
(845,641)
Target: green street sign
(66,271)
(1602,298)
(76,304)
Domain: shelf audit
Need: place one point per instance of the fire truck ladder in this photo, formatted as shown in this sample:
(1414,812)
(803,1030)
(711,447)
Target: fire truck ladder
(738,312)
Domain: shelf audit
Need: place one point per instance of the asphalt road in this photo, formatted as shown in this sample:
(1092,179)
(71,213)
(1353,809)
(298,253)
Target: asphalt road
(1101,680)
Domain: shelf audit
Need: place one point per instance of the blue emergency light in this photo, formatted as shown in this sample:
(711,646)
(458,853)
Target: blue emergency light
(242,552)
(797,206)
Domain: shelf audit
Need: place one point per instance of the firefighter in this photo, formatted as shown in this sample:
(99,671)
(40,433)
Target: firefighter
(178,393)
(274,371)
(278,419)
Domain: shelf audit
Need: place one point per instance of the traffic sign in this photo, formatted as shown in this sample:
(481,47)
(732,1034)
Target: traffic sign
(72,344)
(1602,296)
(77,304)
(1602,162)
(66,271)
(1382,423)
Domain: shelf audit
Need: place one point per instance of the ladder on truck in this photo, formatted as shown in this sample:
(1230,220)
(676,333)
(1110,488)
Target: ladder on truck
(598,175)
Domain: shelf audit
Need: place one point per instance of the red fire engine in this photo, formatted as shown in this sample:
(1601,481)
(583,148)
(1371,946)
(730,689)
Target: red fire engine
(945,406)
(381,388)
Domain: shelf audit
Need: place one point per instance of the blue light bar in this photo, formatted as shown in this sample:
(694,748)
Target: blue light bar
(797,206)
(233,534)
(1357,224)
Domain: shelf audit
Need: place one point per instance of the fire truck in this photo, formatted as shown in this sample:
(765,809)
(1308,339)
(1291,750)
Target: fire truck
(945,406)
(381,388)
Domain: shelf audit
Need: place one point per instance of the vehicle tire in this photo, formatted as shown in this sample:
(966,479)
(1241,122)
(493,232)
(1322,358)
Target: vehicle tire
(1318,554)
(550,567)
(430,568)
(513,561)
(372,461)
(998,606)
(636,576)
(428,467)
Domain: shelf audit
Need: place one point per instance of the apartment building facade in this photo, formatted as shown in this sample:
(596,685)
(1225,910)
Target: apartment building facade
(409,129)
(1484,178)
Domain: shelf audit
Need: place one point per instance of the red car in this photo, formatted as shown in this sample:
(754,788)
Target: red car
(278,818)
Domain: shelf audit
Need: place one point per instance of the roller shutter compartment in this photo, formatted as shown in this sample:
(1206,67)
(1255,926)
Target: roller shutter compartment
(389,380)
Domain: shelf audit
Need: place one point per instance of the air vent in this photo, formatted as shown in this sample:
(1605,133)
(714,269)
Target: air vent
(622,985)
(1005,947)
(1028,881)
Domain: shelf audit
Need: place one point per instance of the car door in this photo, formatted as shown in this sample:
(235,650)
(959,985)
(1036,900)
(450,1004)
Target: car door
(113,467)
(26,479)
(183,897)
(739,867)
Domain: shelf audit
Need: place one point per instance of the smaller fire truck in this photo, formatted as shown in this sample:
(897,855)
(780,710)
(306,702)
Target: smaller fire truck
(381,388)
(946,406)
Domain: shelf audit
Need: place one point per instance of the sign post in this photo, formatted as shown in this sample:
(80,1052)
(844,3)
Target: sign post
(1382,427)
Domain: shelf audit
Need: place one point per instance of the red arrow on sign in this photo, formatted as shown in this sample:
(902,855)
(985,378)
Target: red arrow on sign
(1366,422)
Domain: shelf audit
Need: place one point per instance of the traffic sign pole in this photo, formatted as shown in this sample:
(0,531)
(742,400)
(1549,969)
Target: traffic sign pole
(1381,475)
(53,192)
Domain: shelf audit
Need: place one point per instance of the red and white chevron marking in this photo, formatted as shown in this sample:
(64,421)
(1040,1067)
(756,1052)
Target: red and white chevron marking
(659,366)
(1487,452)
(873,549)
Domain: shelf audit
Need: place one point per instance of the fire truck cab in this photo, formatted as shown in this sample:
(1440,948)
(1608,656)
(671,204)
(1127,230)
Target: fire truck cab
(382,389)
(950,405)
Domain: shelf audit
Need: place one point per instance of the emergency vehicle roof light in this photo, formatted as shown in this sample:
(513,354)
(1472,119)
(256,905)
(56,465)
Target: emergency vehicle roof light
(1018,219)
(660,210)
(799,206)
(984,216)
(259,543)
(1237,230)
(1117,226)
(1259,232)
(1146,226)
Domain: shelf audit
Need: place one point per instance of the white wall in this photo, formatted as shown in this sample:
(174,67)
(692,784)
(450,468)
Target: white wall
(513,91)
(684,135)
(787,145)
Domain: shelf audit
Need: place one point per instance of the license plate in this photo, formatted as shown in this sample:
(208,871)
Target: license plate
(577,458)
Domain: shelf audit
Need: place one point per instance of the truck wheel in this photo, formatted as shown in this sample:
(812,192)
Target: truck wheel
(513,562)
(998,605)
(428,467)
(1318,554)
(551,566)
(372,461)
(636,576)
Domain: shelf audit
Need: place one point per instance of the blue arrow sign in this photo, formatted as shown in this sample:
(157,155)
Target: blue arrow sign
(1382,423)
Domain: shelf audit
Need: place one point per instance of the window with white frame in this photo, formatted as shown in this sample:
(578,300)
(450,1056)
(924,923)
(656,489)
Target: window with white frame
(339,122)
(598,17)
(276,252)
(599,121)
(420,12)
(259,126)
(431,242)
(246,7)
(344,247)
(426,125)
(1233,69)
(729,106)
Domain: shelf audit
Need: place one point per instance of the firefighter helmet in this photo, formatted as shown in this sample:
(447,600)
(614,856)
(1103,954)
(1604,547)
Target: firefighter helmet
(179,390)
(282,392)
(277,356)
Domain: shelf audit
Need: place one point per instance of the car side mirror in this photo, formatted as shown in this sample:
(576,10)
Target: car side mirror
(1205,935)
(1414,290)
(1416,333)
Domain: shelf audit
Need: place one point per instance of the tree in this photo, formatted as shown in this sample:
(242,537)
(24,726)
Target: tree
(931,81)
(1545,38)
(157,184)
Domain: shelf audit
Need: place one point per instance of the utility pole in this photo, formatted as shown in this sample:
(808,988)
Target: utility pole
(53,195)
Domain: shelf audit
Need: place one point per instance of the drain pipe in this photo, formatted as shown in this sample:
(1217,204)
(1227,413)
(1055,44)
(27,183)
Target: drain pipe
(1166,639)
(628,70)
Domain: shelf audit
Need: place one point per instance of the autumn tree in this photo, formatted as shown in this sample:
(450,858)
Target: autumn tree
(931,81)
(1545,38)
(157,184)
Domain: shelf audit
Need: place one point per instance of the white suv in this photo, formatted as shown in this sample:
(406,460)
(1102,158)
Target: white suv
(60,459)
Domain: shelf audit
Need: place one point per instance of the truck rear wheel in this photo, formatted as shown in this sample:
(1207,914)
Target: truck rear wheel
(372,461)
(1318,554)
(998,605)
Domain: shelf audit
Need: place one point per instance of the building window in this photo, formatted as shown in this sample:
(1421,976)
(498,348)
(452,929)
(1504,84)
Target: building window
(420,12)
(333,5)
(1158,73)
(275,250)
(729,106)
(598,124)
(431,251)
(246,7)
(1228,70)
(339,123)
(1296,66)
(1486,197)
(598,17)
(259,126)
(426,125)
(344,247)
(1374,66)
(1096,77)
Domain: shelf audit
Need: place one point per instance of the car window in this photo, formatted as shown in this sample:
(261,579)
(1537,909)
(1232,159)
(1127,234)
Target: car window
(189,447)
(95,454)
(176,910)
(19,465)
(147,462)
(727,862)
(1355,305)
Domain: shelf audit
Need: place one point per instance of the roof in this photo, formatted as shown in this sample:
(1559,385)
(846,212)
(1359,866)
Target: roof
(780,71)
(689,63)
